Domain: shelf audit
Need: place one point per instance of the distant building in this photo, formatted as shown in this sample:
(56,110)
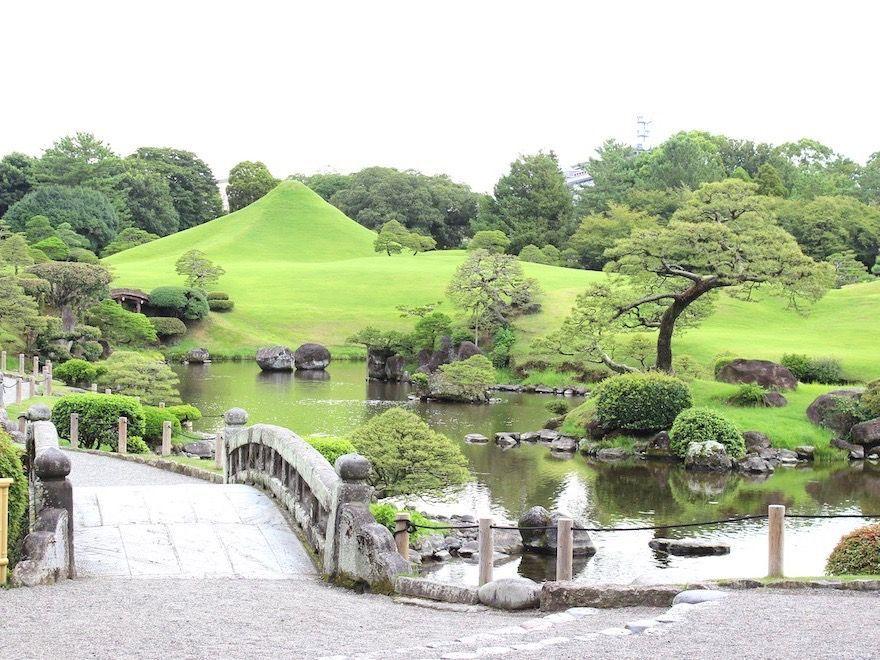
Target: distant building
(576,177)
(221,186)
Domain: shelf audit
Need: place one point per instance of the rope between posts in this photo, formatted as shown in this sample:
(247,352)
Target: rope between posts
(412,527)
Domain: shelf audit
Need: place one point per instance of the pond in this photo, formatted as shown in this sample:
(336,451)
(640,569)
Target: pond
(506,483)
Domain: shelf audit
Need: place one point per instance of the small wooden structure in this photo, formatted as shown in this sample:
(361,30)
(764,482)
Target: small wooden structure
(134,297)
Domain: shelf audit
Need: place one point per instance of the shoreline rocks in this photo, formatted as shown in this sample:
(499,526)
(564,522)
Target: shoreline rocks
(689,547)
(311,357)
(275,358)
(543,541)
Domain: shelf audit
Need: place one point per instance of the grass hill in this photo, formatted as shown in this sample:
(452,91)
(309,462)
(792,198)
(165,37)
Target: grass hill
(300,270)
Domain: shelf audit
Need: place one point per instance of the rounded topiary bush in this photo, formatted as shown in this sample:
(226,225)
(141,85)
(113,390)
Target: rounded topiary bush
(857,553)
(168,326)
(331,448)
(11,468)
(220,305)
(702,424)
(182,302)
(153,420)
(185,412)
(98,418)
(76,372)
(640,402)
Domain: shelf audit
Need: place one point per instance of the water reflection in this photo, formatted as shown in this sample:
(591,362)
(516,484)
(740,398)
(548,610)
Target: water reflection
(506,483)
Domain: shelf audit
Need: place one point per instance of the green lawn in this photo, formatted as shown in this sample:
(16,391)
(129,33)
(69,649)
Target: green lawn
(299,270)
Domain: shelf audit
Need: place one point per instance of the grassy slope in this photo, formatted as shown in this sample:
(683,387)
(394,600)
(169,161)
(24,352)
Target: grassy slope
(300,270)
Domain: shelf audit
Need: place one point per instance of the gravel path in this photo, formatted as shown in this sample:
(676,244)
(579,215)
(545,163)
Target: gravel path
(92,470)
(126,618)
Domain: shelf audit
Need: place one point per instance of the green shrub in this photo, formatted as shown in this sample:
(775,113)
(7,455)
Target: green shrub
(465,380)
(640,401)
(185,412)
(419,380)
(385,515)
(870,399)
(140,375)
(217,295)
(813,370)
(720,363)
(702,424)
(857,553)
(135,444)
(120,326)
(90,350)
(83,256)
(331,448)
(11,468)
(747,395)
(183,302)
(168,326)
(220,305)
(557,407)
(98,417)
(153,420)
(502,343)
(407,455)
(54,248)
(76,372)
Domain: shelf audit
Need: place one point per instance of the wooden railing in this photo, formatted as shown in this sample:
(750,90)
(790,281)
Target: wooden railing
(4,528)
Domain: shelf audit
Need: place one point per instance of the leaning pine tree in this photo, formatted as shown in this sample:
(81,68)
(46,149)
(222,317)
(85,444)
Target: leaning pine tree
(667,278)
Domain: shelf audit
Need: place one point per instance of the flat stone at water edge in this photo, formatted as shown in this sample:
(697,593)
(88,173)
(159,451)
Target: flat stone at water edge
(696,596)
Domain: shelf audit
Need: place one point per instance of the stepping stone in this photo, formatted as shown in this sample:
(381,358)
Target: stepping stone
(697,596)
(690,547)
(616,632)
(641,625)
(669,618)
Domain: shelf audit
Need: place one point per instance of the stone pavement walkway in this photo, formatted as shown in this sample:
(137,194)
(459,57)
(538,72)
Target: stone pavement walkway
(167,525)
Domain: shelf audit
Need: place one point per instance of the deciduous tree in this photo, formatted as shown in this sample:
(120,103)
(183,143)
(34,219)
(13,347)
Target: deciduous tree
(72,286)
(248,182)
(199,271)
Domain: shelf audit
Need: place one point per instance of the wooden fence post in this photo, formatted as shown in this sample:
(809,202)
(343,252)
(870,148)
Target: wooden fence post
(33,385)
(108,391)
(36,366)
(161,404)
(401,533)
(22,422)
(564,549)
(21,364)
(122,447)
(4,528)
(48,387)
(776,540)
(487,551)
(18,395)
(166,438)
(187,425)
(74,430)
(219,447)
(95,388)
(3,362)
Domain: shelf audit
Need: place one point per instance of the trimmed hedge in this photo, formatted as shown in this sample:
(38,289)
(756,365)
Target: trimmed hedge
(331,448)
(77,373)
(183,302)
(640,401)
(220,305)
(11,468)
(217,295)
(185,412)
(98,418)
(168,326)
(857,553)
(702,424)
(814,370)
(153,419)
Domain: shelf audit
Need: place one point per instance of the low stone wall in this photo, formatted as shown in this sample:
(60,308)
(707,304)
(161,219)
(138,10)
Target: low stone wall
(48,550)
(329,503)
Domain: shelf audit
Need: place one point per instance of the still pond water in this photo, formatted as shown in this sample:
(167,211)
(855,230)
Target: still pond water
(506,483)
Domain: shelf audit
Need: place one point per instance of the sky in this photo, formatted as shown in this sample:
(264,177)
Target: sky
(452,87)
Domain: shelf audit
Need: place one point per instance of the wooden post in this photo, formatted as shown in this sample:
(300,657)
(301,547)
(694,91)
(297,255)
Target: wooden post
(161,404)
(74,430)
(95,388)
(4,528)
(49,384)
(187,425)
(49,367)
(3,362)
(36,366)
(123,436)
(107,391)
(18,396)
(219,448)
(21,364)
(33,385)
(564,549)
(401,533)
(166,438)
(776,540)
(22,423)
(487,550)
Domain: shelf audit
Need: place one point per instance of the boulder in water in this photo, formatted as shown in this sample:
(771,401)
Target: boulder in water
(310,357)
(275,358)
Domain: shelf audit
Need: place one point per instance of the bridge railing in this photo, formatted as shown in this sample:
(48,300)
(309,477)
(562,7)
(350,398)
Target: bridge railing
(329,503)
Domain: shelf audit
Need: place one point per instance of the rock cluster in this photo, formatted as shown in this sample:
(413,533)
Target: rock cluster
(571,390)
(838,410)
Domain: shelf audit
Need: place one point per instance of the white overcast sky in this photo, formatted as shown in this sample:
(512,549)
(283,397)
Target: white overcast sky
(455,87)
